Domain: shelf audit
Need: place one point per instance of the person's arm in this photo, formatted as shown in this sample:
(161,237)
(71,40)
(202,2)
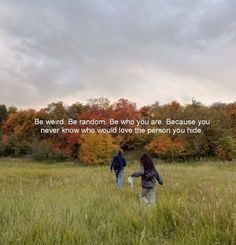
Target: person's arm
(124,162)
(159,178)
(112,163)
(138,173)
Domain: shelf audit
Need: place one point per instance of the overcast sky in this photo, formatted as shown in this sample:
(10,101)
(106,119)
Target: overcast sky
(142,50)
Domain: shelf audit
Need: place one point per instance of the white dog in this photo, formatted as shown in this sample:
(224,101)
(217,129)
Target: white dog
(130,182)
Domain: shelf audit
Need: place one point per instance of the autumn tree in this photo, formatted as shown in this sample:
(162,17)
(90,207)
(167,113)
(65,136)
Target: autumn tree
(125,109)
(96,148)
(162,146)
(19,135)
(20,124)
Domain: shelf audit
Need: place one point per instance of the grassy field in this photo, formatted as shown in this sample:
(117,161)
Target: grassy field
(70,204)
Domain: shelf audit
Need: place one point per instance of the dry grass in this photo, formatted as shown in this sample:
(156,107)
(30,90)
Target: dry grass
(69,204)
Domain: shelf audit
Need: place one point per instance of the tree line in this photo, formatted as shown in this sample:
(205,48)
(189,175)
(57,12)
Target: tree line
(20,137)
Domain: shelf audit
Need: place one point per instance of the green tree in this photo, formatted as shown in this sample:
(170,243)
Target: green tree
(3,113)
(226,147)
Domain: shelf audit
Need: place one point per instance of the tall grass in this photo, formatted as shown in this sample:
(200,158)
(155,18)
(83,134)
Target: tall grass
(68,204)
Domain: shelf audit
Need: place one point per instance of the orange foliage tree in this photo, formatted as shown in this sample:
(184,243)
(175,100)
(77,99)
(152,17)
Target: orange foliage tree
(96,148)
(164,147)
(19,135)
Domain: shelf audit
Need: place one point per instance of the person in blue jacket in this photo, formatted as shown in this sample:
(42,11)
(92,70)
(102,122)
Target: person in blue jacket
(118,164)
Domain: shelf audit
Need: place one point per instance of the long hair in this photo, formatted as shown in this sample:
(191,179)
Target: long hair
(147,162)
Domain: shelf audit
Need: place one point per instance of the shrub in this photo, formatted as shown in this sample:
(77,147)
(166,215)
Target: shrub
(226,148)
(9,146)
(45,150)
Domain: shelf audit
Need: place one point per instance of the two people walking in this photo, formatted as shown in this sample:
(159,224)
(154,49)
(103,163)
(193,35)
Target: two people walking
(150,176)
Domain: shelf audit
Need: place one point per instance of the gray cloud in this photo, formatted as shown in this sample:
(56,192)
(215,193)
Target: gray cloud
(146,51)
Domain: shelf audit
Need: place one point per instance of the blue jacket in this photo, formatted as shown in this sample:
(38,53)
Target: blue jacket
(118,163)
